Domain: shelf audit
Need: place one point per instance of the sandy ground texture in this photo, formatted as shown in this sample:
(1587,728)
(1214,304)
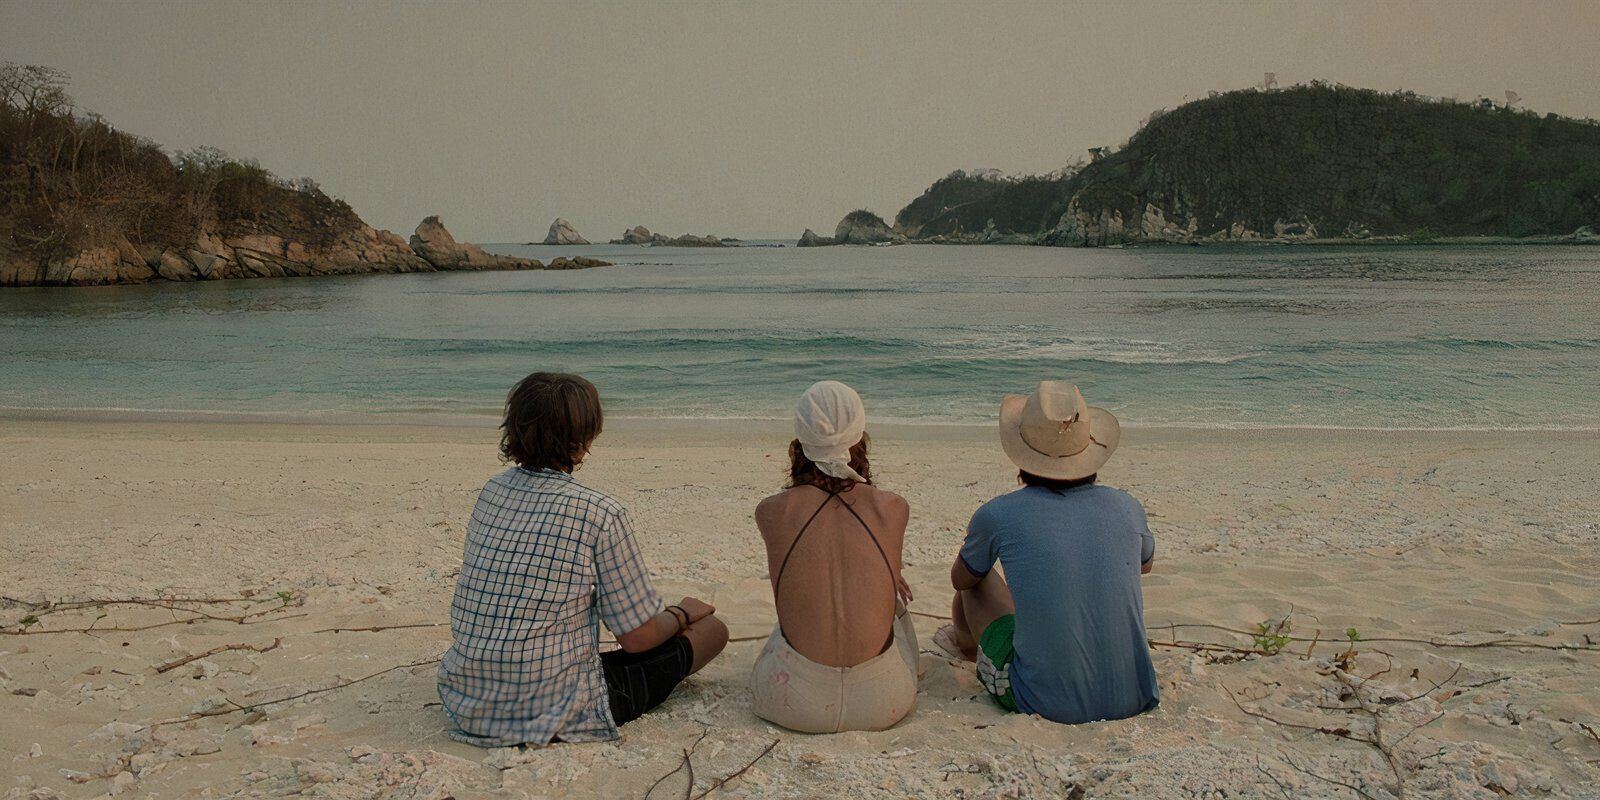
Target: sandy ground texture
(1465,562)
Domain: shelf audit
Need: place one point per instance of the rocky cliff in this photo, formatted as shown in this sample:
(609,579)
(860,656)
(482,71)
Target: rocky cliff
(82,203)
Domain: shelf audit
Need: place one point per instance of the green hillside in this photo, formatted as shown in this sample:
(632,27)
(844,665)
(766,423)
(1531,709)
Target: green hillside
(1316,159)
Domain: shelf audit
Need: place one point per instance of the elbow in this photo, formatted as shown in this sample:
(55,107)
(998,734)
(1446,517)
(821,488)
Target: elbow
(635,641)
(962,578)
(1146,567)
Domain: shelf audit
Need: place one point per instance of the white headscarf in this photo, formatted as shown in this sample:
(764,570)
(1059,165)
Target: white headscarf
(828,421)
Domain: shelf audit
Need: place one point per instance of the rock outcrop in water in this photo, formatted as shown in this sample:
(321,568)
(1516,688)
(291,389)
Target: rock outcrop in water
(640,235)
(576,262)
(857,227)
(864,227)
(435,245)
(811,239)
(691,240)
(562,232)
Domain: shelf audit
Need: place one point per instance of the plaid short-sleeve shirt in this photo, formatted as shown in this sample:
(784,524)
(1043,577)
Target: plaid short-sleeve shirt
(546,559)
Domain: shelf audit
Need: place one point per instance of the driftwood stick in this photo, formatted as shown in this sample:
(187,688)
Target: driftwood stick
(1315,637)
(174,664)
(1208,647)
(376,628)
(688,765)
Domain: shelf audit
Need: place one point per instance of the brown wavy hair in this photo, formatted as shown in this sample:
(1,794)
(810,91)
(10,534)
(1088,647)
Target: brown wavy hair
(551,419)
(803,471)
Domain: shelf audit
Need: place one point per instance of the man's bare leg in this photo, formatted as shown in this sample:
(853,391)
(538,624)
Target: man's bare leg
(973,609)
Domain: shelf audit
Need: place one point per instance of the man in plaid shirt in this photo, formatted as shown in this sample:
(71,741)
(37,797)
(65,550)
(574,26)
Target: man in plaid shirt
(546,559)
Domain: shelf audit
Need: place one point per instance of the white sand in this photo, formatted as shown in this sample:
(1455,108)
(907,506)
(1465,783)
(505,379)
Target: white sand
(1454,536)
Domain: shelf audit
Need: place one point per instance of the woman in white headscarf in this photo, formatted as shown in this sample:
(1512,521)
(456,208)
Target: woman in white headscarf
(844,653)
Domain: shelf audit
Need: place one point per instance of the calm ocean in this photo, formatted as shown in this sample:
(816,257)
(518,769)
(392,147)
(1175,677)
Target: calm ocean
(1362,337)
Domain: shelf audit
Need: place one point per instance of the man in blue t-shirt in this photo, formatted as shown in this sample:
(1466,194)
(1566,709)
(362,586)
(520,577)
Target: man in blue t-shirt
(1062,634)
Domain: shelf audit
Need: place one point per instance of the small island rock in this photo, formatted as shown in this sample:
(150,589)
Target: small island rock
(691,240)
(639,234)
(811,239)
(562,232)
(864,227)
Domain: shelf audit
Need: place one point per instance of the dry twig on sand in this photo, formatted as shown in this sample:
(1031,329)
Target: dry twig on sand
(1378,738)
(688,752)
(174,664)
(38,610)
(720,782)
(185,621)
(1325,779)
(1507,643)
(687,764)
(236,708)
(376,628)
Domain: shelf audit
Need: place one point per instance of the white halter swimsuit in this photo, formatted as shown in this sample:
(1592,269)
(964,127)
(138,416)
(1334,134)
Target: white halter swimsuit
(800,694)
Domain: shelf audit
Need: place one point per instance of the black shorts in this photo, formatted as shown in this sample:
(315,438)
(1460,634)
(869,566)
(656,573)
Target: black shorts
(638,682)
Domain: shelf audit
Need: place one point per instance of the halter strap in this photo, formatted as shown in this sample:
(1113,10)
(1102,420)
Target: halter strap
(778,581)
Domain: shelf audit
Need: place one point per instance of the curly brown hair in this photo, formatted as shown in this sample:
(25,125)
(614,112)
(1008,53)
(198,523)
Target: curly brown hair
(551,419)
(803,471)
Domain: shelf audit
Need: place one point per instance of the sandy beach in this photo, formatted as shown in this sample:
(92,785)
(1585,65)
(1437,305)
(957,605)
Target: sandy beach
(295,540)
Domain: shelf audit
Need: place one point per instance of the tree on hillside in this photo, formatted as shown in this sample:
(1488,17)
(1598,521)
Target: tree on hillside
(70,181)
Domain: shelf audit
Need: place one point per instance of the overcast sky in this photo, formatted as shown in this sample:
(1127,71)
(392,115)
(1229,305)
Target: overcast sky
(749,119)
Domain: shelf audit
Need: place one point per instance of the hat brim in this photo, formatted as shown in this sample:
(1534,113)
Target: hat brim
(1102,426)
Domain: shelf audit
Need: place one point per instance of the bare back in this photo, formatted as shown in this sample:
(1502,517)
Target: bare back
(835,596)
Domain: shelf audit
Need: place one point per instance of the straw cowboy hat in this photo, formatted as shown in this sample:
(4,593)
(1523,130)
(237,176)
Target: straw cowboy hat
(1052,433)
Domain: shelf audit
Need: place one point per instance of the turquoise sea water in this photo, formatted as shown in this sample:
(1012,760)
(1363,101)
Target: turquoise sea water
(1361,337)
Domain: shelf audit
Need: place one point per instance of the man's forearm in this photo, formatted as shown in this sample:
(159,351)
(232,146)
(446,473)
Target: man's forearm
(666,624)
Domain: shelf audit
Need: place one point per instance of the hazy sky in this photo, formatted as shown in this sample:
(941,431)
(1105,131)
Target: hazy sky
(750,119)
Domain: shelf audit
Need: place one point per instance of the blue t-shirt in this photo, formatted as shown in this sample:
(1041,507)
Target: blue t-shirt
(1072,560)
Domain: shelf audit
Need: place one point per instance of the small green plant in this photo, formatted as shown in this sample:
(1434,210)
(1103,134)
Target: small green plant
(28,621)
(1272,636)
(1346,660)
(286,597)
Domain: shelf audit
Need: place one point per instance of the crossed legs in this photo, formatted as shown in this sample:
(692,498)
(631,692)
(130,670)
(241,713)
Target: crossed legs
(707,637)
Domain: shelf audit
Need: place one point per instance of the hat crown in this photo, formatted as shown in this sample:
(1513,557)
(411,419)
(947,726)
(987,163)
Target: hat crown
(1055,420)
